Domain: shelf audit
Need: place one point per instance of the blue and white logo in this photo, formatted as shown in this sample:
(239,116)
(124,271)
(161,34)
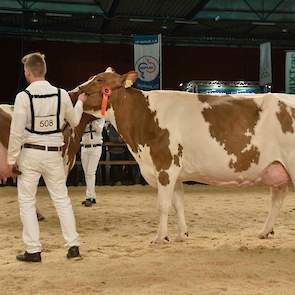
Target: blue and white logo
(148,68)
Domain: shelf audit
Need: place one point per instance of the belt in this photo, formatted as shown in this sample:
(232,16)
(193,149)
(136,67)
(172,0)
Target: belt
(90,145)
(42,147)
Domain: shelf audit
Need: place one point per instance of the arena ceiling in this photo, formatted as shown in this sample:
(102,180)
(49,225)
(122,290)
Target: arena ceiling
(181,22)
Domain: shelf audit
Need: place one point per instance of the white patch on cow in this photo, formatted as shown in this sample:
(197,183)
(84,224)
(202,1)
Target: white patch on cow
(247,148)
(147,167)
(207,105)
(110,116)
(248,133)
(288,99)
(7,108)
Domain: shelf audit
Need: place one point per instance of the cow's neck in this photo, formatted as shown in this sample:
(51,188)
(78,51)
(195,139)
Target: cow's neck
(139,126)
(130,115)
(79,130)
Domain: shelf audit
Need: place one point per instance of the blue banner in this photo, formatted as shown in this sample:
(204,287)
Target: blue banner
(147,61)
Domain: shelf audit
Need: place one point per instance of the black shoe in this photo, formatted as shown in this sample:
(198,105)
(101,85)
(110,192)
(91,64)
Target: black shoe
(93,201)
(87,203)
(74,253)
(29,257)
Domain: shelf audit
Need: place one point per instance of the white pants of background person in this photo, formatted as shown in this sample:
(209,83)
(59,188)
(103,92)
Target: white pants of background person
(90,158)
(34,163)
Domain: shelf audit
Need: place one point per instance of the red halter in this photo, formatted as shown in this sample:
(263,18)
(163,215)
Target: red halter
(106,91)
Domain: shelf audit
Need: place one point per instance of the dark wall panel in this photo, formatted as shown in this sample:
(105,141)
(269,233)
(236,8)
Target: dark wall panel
(182,64)
(70,64)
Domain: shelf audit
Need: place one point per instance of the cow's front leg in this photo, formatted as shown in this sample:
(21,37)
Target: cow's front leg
(278,196)
(177,202)
(165,194)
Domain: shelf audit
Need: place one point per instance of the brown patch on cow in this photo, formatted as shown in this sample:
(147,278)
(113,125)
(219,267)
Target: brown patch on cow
(164,178)
(72,138)
(138,125)
(285,118)
(232,123)
(213,99)
(178,156)
(5,120)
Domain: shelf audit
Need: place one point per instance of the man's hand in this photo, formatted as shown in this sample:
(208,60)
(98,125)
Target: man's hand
(12,171)
(82,97)
(15,170)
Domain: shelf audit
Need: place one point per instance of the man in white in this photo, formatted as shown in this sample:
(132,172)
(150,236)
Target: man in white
(91,146)
(35,146)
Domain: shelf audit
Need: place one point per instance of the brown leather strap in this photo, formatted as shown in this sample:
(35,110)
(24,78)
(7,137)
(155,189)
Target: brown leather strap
(42,147)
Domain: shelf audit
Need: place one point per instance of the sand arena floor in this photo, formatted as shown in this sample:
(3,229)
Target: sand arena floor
(221,256)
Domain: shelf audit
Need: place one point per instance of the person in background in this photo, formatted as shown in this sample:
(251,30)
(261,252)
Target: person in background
(35,146)
(91,147)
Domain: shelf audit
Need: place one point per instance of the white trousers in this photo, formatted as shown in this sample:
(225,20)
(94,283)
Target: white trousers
(32,164)
(90,158)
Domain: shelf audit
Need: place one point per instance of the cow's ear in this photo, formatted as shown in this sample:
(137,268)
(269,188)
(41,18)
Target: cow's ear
(110,70)
(129,78)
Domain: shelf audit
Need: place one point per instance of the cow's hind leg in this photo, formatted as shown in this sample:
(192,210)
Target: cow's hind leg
(278,195)
(177,203)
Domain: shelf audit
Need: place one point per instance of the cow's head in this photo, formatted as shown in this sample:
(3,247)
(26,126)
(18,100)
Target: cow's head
(95,86)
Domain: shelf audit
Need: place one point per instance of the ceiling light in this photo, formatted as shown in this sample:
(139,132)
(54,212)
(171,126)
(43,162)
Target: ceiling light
(263,23)
(58,14)
(141,20)
(186,22)
(11,11)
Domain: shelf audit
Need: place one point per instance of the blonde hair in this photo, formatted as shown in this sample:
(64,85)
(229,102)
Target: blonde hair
(35,62)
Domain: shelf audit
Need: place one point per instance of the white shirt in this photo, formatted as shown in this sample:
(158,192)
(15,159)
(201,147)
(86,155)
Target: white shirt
(21,119)
(93,132)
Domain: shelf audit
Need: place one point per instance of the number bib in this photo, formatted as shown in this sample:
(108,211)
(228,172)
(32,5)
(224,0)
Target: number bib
(45,123)
(41,122)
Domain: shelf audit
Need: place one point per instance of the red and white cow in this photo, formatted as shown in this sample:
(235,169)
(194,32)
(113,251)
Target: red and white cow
(72,140)
(220,140)
(5,120)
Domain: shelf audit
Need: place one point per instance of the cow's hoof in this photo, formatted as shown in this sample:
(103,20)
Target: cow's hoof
(264,235)
(159,241)
(182,238)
